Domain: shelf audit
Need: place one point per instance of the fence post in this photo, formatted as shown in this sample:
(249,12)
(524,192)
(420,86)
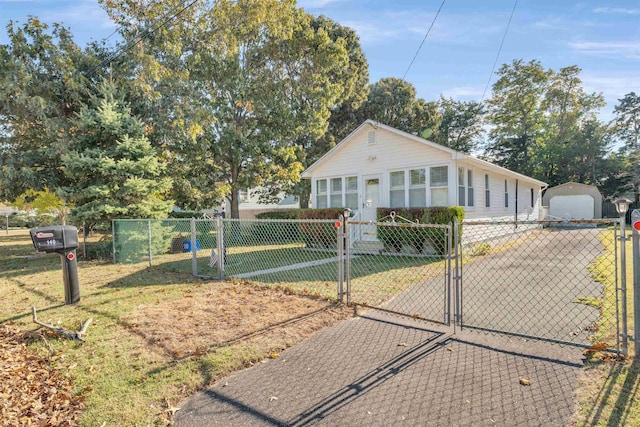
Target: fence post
(220,242)
(340,242)
(635,237)
(113,239)
(448,304)
(150,249)
(623,283)
(194,248)
(347,249)
(457,251)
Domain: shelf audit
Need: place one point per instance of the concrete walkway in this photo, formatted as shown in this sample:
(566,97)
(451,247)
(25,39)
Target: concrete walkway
(382,370)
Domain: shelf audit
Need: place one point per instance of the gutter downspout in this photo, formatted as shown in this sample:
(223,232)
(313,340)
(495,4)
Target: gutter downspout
(544,187)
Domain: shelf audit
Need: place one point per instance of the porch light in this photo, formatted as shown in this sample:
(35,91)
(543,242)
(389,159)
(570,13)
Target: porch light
(622,205)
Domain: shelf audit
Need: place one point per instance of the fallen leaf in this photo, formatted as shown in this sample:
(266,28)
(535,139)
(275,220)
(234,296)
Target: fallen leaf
(402,344)
(525,381)
(272,398)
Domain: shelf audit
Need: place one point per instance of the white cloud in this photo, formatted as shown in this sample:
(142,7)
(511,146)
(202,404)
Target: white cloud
(463,93)
(626,49)
(617,10)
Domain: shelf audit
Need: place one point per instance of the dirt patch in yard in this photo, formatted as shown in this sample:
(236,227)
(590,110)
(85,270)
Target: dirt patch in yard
(230,312)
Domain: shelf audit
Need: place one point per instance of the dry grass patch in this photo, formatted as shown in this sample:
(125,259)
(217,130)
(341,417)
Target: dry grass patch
(227,313)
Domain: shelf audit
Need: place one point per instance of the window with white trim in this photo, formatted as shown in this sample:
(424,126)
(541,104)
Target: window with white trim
(351,192)
(471,199)
(417,188)
(335,199)
(439,185)
(396,189)
(321,193)
(244,195)
(506,194)
(487,191)
(461,187)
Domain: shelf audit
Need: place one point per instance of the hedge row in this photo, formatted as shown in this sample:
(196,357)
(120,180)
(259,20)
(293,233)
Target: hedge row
(395,238)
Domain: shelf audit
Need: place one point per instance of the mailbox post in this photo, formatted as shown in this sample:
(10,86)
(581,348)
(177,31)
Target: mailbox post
(63,240)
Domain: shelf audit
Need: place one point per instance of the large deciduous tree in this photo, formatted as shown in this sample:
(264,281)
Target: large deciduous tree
(115,171)
(393,102)
(515,111)
(459,125)
(248,78)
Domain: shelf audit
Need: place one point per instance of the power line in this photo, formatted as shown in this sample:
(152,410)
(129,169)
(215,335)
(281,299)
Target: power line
(504,36)
(423,40)
(162,21)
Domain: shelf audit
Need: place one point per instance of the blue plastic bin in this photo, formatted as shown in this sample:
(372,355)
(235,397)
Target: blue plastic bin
(186,245)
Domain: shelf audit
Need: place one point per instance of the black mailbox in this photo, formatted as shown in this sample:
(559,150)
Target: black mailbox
(55,238)
(63,240)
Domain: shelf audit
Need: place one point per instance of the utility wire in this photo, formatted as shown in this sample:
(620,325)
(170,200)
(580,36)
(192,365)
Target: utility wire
(504,36)
(122,26)
(423,40)
(162,21)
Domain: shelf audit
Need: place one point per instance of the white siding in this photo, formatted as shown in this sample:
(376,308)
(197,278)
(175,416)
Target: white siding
(390,151)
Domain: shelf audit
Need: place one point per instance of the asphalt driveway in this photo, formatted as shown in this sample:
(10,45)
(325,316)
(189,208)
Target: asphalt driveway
(381,370)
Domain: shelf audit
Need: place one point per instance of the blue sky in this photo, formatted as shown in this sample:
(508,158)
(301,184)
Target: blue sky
(601,37)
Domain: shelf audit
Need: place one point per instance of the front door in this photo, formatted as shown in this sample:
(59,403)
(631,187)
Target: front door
(372,196)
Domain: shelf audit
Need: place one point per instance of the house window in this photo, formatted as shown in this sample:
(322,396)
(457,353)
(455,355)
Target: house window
(396,190)
(506,194)
(470,193)
(439,185)
(321,193)
(487,192)
(351,194)
(335,200)
(244,195)
(417,188)
(461,188)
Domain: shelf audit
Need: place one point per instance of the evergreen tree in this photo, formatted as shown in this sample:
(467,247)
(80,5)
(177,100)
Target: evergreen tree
(115,170)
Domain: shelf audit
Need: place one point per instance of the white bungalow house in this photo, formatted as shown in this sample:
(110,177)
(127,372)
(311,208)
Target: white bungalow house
(379,166)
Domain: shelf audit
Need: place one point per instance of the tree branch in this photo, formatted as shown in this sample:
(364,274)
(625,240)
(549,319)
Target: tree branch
(76,336)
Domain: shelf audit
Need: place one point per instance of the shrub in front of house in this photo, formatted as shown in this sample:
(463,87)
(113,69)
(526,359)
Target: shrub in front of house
(323,235)
(404,234)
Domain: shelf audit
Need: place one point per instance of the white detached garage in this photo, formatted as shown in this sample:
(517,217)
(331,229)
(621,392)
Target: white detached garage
(573,200)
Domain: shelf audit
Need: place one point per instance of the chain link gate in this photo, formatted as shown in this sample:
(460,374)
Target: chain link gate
(403,268)
(554,281)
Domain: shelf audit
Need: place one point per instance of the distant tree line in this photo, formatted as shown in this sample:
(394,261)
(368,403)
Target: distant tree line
(242,94)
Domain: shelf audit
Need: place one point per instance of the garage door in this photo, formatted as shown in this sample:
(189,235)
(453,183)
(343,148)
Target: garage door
(575,207)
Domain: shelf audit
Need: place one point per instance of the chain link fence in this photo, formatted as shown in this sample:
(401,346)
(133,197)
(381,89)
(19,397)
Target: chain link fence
(401,267)
(549,280)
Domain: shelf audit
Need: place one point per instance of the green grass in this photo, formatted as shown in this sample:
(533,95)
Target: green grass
(609,393)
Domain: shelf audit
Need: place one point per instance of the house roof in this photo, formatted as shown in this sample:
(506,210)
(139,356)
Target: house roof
(457,155)
(573,184)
